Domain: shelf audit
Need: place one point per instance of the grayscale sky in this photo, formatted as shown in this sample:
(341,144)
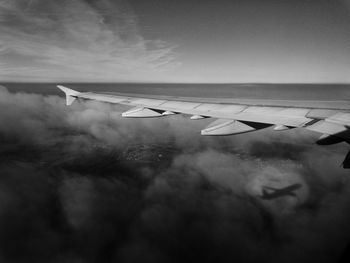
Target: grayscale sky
(175,41)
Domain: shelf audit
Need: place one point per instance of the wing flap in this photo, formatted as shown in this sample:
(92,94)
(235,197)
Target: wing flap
(326,127)
(340,118)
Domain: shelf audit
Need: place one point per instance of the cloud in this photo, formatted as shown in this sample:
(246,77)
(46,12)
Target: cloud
(81,184)
(84,40)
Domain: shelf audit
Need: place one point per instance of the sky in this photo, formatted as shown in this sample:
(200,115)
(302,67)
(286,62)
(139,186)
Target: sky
(293,41)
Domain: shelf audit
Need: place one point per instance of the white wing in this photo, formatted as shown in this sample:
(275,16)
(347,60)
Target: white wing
(331,118)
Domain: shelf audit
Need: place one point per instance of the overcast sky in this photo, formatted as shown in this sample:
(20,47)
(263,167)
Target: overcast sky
(175,41)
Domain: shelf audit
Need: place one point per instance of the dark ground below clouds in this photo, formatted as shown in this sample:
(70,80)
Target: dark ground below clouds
(81,184)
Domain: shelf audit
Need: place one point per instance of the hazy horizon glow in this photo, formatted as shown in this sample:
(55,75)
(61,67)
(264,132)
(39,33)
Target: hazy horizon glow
(184,41)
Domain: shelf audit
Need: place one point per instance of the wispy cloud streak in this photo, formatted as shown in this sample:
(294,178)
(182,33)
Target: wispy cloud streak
(77,40)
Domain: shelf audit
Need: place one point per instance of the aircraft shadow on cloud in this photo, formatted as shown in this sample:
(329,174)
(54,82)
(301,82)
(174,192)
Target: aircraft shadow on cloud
(235,116)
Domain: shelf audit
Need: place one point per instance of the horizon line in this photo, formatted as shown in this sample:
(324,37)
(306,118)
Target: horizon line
(176,83)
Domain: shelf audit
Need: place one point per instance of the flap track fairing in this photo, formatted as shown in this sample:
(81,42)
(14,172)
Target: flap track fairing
(226,127)
(141,113)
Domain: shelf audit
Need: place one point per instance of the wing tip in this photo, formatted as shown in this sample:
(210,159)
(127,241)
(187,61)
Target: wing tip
(71,94)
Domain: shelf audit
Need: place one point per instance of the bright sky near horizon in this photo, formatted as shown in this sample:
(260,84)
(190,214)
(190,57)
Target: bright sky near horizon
(220,41)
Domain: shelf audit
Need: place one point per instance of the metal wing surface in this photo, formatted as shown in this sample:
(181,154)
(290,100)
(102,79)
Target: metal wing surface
(233,116)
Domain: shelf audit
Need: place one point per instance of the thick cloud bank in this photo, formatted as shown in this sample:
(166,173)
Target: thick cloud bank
(80,184)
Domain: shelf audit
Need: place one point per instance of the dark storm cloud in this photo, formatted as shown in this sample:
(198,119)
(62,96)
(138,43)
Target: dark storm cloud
(69,192)
(94,40)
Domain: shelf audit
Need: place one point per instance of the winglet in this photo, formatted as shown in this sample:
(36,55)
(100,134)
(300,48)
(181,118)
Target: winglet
(71,95)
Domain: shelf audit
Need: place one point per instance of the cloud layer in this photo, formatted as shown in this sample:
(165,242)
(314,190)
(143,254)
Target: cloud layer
(75,40)
(81,184)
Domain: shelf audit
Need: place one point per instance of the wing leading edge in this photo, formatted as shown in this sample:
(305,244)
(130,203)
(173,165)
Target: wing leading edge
(331,118)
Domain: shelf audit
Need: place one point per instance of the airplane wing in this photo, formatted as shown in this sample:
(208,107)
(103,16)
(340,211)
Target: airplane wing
(234,116)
